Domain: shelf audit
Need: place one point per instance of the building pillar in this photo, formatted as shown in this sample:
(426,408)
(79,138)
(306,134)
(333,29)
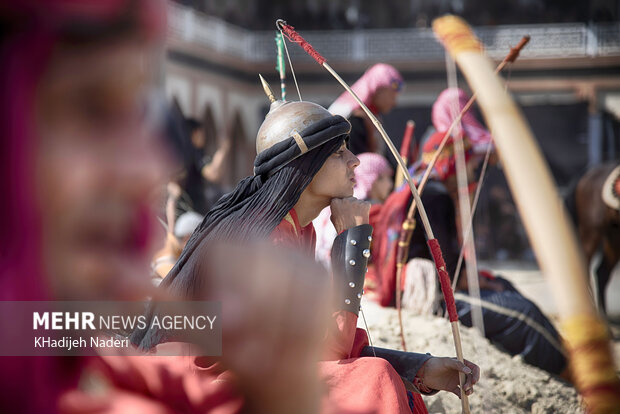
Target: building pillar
(595,124)
(595,141)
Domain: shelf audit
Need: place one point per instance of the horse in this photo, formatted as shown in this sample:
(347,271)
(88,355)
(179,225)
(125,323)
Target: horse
(594,205)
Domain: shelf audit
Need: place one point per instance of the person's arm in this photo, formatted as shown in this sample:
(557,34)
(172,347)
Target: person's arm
(406,364)
(349,258)
(442,373)
(214,170)
(350,251)
(427,373)
(165,258)
(174,192)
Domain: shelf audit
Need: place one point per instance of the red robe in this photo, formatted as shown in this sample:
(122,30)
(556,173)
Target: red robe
(355,384)
(170,384)
(152,384)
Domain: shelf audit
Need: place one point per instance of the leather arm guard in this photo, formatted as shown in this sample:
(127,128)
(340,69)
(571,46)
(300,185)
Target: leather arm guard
(406,364)
(350,254)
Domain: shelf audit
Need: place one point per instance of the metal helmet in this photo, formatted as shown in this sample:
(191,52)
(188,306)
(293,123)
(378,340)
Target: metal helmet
(285,119)
(302,125)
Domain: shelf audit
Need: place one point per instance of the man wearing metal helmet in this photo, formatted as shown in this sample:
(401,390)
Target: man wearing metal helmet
(303,165)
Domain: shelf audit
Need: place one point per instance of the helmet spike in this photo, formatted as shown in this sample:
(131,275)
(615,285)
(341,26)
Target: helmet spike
(267,89)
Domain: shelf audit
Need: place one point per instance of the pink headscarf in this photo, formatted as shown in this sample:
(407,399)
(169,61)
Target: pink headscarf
(377,76)
(445,111)
(371,167)
(36,26)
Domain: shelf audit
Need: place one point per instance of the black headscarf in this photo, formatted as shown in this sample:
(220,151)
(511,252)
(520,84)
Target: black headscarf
(252,210)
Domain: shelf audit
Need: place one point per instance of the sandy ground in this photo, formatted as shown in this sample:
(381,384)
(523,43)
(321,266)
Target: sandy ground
(507,384)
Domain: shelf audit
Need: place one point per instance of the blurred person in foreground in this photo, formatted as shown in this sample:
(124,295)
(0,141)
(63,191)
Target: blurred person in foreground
(303,165)
(510,320)
(77,224)
(378,88)
(373,183)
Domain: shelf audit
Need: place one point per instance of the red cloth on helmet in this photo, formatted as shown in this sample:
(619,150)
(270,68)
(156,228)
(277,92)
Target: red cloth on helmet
(446,163)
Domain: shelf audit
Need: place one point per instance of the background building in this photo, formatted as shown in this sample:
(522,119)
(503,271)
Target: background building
(567,80)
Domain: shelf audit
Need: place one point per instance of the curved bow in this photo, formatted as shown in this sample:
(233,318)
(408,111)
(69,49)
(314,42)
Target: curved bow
(405,149)
(433,244)
(546,223)
(408,225)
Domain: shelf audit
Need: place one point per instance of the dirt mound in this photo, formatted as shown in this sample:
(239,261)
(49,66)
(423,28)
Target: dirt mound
(507,384)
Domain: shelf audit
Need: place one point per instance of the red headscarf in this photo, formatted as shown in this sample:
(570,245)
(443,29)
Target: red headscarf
(445,166)
(34,28)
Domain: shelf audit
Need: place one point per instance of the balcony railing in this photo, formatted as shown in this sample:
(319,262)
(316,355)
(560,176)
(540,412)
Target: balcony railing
(393,45)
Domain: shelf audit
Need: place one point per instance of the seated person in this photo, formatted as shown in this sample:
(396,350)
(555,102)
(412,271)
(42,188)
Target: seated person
(510,320)
(303,165)
(378,88)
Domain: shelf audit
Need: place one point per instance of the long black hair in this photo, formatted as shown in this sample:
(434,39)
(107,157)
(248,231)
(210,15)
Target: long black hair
(251,211)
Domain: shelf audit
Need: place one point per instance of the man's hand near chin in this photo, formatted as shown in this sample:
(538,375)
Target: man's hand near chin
(348,213)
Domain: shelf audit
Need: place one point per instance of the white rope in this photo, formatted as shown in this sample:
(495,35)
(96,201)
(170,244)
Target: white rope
(473,212)
(463,198)
(290,64)
(368,332)
(477,195)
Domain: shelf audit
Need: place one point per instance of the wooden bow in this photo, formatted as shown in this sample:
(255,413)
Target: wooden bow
(408,226)
(405,149)
(543,214)
(433,244)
